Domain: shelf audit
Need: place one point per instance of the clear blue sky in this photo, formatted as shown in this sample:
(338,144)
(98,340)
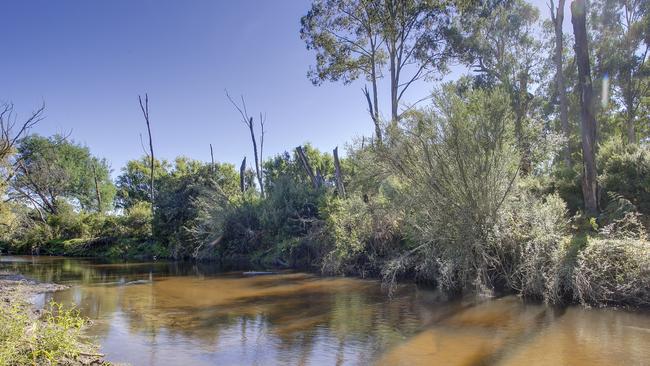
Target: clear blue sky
(89,60)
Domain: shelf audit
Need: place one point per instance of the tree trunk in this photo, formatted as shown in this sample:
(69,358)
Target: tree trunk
(558,18)
(242,175)
(212,158)
(145,112)
(339,176)
(307,167)
(257,159)
(587,116)
(98,195)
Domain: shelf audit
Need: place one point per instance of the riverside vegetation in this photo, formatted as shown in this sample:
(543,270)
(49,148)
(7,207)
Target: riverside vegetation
(488,187)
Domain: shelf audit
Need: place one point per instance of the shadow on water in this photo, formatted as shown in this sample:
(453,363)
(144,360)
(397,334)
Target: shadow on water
(168,313)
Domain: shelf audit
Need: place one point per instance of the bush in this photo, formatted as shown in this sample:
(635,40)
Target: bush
(625,170)
(613,272)
(364,235)
(54,338)
(530,242)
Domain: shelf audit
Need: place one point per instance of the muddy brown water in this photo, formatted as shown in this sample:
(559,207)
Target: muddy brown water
(198,314)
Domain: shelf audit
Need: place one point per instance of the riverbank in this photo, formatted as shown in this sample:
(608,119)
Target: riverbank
(46,336)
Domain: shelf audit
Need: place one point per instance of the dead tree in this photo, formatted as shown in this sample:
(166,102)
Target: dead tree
(97,193)
(248,121)
(212,159)
(587,116)
(557,17)
(307,167)
(145,112)
(339,176)
(242,175)
(9,136)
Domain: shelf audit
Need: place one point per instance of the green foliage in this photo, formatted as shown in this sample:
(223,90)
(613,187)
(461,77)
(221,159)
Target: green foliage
(56,338)
(625,170)
(613,271)
(55,169)
(134,184)
(459,163)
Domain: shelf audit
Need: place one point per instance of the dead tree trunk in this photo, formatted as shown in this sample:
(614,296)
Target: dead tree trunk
(248,121)
(242,173)
(307,167)
(587,116)
(557,17)
(97,193)
(145,112)
(212,159)
(339,176)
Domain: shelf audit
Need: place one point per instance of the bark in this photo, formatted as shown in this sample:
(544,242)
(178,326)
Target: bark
(242,174)
(307,167)
(212,158)
(587,116)
(97,193)
(557,16)
(339,175)
(145,112)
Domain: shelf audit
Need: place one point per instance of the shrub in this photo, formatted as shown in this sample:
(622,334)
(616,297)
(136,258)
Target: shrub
(529,241)
(54,338)
(613,272)
(364,235)
(626,171)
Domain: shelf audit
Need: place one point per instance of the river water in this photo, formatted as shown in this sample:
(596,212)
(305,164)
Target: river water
(160,313)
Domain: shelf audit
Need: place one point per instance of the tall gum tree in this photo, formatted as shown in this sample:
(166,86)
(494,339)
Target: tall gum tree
(405,39)
(587,115)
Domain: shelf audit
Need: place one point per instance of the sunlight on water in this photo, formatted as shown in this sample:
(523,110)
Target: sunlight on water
(180,313)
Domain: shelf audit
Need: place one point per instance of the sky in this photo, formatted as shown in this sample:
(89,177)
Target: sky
(89,60)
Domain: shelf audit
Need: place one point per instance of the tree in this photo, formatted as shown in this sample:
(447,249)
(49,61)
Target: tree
(53,169)
(557,17)
(134,182)
(587,115)
(248,121)
(145,113)
(498,41)
(355,38)
(621,36)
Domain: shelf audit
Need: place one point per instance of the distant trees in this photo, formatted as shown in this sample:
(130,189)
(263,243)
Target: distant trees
(53,169)
(134,182)
(361,38)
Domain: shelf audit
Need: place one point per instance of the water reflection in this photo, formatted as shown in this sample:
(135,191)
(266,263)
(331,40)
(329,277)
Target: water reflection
(198,314)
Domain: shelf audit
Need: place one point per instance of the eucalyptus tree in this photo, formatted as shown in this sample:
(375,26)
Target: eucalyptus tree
(499,42)
(557,18)
(405,39)
(587,113)
(621,32)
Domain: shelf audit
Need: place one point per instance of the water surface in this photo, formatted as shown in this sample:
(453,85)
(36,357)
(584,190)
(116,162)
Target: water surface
(160,313)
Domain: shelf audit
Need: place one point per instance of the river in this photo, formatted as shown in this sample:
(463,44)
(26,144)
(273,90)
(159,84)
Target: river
(170,313)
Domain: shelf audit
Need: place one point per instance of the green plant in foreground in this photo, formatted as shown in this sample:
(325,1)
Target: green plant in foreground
(55,337)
